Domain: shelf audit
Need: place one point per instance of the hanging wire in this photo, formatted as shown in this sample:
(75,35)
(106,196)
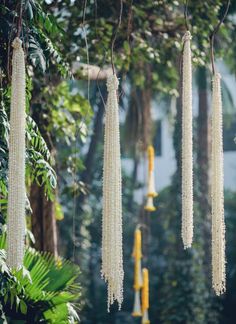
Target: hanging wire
(104,55)
(9,44)
(186,15)
(77,131)
(212,36)
(86,45)
(19,22)
(115,36)
(186,22)
(1,88)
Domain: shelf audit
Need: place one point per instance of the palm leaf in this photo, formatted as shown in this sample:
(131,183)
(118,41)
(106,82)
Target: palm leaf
(43,290)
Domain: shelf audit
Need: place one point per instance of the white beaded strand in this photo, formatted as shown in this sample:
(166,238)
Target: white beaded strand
(217,191)
(16,185)
(187,146)
(112,250)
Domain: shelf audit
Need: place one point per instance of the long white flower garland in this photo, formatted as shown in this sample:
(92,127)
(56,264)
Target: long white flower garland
(218,225)
(112,252)
(16,184)
(187,146)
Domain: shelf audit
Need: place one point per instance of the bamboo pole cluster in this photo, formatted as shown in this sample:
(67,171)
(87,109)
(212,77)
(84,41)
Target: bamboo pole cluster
(16,186)
(112,250)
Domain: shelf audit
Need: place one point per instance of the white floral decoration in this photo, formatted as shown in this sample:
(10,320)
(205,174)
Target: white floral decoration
(217,191)
(16,186)
(187,146)
(112,251)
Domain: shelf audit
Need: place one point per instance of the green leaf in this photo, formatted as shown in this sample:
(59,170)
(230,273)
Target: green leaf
(23,307)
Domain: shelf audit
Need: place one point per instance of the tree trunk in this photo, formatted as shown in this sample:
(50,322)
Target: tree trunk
(43,221)
(44,226)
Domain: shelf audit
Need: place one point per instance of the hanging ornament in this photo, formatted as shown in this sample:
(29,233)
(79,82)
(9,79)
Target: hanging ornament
(151,192)
(137,255)
(151,179)
(187,145)
(149,205)
(16,184)
(138,280)
(137,311)
(112,251)
(218,225)
(145,297)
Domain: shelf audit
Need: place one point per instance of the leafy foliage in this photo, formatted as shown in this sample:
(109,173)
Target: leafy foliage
(43,291)
(38,157)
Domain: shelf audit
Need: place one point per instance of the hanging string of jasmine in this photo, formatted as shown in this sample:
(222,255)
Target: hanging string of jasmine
(217,188)
(112,245)
(187,145)
(16,183)
(112,253)
(218,225)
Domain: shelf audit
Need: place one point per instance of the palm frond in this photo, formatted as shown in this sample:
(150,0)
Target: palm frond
(45,289)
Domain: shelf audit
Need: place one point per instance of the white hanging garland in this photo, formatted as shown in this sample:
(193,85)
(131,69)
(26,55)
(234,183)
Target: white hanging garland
(218,225)
(187,146)
(112,251)
(16,183)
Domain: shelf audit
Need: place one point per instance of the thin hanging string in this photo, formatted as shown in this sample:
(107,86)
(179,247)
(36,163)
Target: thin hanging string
(86,44)
(19,22)
(10,41)
(104,56)
(180,59)
(212,36)
(1,86)
(77,131)
(186,15)
(115,36)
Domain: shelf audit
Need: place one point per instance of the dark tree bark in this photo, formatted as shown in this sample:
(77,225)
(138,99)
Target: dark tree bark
(44,226)
(43,221)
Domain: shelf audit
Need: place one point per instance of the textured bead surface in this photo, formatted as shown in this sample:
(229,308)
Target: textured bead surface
(112,253)
(187,146)
(217,191)
(16,184)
